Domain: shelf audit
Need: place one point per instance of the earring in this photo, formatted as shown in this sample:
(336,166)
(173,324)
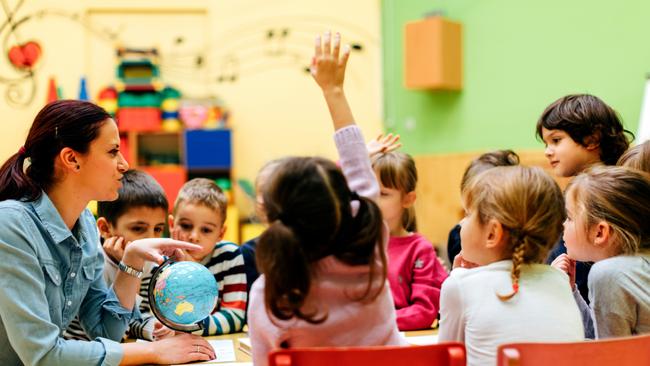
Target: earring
(78,167)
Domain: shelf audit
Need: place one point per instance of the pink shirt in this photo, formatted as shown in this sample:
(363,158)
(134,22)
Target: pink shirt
(415,277)
(334,285)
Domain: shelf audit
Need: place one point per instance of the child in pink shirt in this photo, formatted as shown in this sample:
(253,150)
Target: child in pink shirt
(414,272)
(322,259)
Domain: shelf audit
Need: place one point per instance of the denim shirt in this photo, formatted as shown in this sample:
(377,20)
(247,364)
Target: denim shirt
(49,274)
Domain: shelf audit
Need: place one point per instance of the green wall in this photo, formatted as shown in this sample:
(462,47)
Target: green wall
(519,56)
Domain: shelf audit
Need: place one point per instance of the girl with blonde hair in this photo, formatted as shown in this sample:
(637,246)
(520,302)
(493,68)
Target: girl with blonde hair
(608,212)
(513,217)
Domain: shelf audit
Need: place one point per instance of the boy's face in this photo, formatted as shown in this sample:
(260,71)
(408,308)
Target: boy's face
(567,157)
(138,222)
(199,224)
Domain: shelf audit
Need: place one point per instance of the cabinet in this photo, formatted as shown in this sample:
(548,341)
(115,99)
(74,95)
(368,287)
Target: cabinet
(433,54)
(173,158)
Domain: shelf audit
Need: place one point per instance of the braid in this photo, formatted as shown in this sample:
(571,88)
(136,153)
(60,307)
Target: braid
(517,261)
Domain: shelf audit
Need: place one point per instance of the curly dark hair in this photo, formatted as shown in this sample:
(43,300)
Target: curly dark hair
(586,117)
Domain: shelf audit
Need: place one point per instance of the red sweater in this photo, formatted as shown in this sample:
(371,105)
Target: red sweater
(415,277)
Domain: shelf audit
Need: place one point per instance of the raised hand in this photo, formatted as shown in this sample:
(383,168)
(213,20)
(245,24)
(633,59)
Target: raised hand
(383,144)
(567,265)
(328,65)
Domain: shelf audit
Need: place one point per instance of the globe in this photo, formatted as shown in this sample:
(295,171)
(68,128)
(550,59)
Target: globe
(182,294)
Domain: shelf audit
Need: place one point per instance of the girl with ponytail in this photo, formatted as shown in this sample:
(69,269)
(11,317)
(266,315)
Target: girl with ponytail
(513,216)
(322,259)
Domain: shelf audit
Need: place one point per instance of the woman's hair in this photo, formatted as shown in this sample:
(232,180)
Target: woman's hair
(637,157)
(64,123)
(528,204)
(396,170)
(587,119)
(489,160)
(308,204)
(621,197)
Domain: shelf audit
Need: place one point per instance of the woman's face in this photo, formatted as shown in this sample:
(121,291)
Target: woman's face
(101,168)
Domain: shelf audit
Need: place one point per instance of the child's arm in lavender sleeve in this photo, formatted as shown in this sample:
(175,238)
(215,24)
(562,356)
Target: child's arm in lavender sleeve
(328,69)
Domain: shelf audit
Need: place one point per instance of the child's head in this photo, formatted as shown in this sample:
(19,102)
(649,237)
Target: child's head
(487,161)
(308,204)
(578,131)
(608,212)
(511,212)
(200,214)
(262,179)
(139,212)
(397,178)
(637,157)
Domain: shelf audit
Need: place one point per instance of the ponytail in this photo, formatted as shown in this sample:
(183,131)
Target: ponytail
(362,244)
(283,262)
(15,183)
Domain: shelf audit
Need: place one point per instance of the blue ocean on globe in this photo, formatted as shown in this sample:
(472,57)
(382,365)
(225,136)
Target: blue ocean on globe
(185,293)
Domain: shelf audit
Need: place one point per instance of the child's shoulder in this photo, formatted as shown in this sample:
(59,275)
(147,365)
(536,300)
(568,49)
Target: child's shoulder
(225,247)
(622,265)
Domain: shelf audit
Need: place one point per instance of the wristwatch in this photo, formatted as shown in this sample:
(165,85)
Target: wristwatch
(129,270)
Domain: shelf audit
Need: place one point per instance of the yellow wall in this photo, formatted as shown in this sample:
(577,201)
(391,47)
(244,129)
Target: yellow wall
(276,108)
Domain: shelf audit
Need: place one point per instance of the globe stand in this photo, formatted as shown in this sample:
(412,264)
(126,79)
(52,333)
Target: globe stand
(154,308)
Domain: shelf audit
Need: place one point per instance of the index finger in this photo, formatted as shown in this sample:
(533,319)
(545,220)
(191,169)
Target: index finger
(177,244)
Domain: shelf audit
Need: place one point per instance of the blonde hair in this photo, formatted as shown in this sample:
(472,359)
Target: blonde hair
(621,197)
(637,157)
(396,170)
(203,191)
(528,204)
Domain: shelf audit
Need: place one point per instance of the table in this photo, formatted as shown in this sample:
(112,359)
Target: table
(244,358)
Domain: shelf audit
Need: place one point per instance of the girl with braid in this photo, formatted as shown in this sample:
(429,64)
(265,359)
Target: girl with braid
(498,292)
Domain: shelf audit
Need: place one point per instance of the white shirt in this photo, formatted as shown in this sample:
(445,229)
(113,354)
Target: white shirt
(543,311)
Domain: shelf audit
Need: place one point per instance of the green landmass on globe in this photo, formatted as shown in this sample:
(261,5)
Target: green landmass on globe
(184,293)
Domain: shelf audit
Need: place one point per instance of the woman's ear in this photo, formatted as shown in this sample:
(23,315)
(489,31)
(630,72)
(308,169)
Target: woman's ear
(104,228)
(408,200)
(69,159)
(495,234)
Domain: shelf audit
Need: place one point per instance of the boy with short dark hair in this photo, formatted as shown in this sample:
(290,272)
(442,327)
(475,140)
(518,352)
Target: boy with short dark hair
(139,212)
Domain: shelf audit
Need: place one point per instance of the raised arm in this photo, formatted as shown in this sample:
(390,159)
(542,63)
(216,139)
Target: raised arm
(328,70)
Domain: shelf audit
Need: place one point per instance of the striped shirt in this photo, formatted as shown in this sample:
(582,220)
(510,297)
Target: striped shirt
(226,263)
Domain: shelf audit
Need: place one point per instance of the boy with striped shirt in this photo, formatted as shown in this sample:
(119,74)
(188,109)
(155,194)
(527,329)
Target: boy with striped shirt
(199,218)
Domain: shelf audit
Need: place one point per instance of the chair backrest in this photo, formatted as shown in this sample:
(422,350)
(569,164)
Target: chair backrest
(628,351)
(443,354)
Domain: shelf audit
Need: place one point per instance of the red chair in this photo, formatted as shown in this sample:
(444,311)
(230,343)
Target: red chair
(443,354)
(628,351)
